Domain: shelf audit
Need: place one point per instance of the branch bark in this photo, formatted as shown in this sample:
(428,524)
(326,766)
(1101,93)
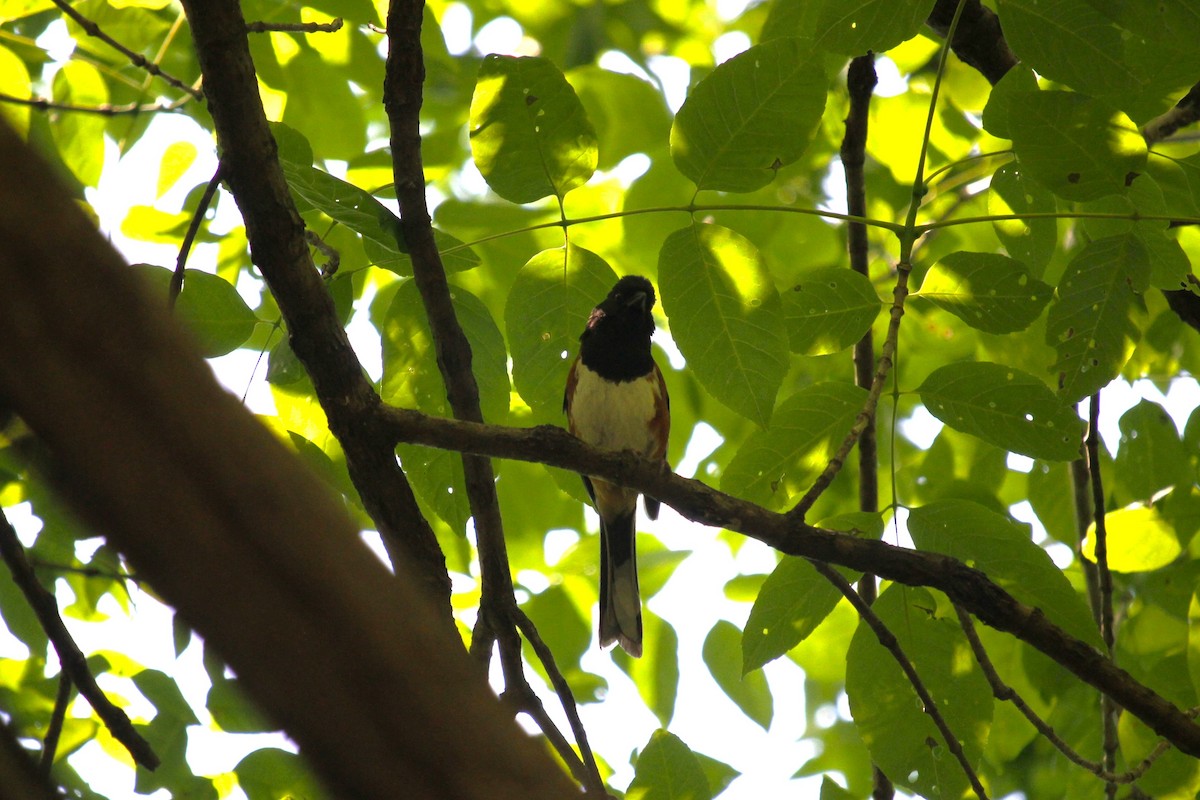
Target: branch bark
(359,667)
(276,233)
(969,587)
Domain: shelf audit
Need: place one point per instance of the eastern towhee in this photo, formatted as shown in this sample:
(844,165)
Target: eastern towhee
(616,399)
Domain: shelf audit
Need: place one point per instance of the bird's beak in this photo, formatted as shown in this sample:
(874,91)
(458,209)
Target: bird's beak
(639,299)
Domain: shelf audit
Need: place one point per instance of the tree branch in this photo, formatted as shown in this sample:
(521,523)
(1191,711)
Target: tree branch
(889,642)
(1108,712)
(251,169)
(698,502)
(106,110)
(71,659)
(978,41)
(1005,693)
(358,665)
(19,778)
(499,615)
(137,59)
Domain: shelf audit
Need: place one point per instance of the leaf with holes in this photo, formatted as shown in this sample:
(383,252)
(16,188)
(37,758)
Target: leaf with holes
(1091,323)
(530,135)
(773,466)
(829,310)
(1076,146)
(988,291)
(1005,407)
(750,116)
(901,737)
(1004,550)
(547,309)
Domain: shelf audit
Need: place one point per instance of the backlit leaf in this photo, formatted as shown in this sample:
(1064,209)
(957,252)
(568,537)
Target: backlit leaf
(1090,324)
(1138,540)
(1004,550)
(988,291)
(848,28)
(1005,407)
(1075,146)
(547,309)
(884,703)
(667,769)
(752,115)
(773,466)
(530,136)
(722,656)
(726,317)
(829,310)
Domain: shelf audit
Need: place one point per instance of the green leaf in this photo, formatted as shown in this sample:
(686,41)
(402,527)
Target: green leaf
(773,466)
(831,791)
(902,739)
(272,774)
(1030,241)
(1067,41)
(530,136)
(794,600)
(726,317)
(177,158)
(988,291)
(209,306)
(232,710)
(1003,549)
(722,648)
(629,113)
(667,769)
(753,114)
(411,378)
(14,81)
(394,257)
(656,673)
(1075,146)
(848,28)
(547,309)
(1151,456)
(164,694)
(1089,323)
(358,210)
(1138,539)
(829,310)
(77,135)
(1005,407)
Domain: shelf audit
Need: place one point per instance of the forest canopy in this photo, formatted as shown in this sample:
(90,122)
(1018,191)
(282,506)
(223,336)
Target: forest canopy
(912,259)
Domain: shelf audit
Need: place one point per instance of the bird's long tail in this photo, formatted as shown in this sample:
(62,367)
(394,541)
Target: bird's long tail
(620,601)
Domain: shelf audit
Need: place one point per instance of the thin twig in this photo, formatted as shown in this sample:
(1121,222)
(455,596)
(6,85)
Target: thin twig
(1108,709)
(498,615)
(105,109)
(860,82)
(87,572)
(185,248)
(137,59)
(295,27)
(888,640)
(73,662)
(866,416)
(591,779)
(54,729)
(1004,692)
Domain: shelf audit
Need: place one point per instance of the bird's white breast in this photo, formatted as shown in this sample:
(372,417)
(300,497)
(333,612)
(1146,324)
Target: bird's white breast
(614,415)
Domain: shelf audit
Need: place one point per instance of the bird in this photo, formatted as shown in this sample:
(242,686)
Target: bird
(616,398)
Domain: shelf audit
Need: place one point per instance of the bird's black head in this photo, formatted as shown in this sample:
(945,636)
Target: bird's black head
(616,341)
